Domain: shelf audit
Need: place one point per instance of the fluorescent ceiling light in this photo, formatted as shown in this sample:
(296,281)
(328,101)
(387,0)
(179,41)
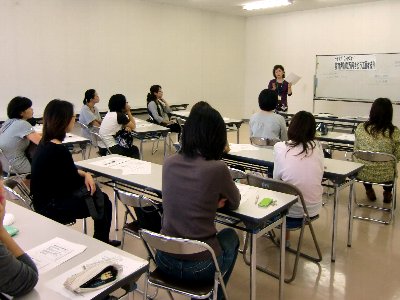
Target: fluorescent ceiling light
(266,4)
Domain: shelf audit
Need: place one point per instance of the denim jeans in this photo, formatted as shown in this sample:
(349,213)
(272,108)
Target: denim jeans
(203,270)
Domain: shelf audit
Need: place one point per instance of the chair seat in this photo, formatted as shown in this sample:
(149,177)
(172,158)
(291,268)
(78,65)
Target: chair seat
(132,228)
(197,288)
(296,223)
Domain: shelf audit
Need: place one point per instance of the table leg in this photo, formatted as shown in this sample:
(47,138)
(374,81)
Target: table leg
(253,265)
(115,209)
(334,227)
(282,258)
(350,225)
(166,137)
(141,149)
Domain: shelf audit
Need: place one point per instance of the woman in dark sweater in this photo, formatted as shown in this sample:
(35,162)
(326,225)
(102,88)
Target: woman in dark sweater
(56,183)
(18,273)
(195,184)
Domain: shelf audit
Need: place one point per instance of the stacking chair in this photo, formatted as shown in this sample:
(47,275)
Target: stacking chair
(284,187)
(198,290)
(377,157)
(96,138)
(86,132)
(263,142)
(20,192)
(142,206)
(12,173)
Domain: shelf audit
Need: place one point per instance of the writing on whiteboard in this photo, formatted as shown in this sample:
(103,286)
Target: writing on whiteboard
(354,62)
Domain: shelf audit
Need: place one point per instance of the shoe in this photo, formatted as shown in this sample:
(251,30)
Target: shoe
(370,194)
(114,243)
(387,197)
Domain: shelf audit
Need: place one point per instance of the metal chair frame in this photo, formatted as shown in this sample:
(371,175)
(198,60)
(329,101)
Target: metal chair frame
(98,137)
(131,200)
(26,199)
(284,187)
(89,131)
(371,156)
(157,242)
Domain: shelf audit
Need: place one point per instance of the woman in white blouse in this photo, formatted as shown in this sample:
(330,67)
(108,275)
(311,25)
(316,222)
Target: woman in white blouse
(300,161)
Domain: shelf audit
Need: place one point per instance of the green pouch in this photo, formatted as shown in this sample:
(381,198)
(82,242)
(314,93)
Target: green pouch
(265,202)
(11,230)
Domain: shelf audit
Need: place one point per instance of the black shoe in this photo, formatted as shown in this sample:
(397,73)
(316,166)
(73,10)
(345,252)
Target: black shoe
(114,243)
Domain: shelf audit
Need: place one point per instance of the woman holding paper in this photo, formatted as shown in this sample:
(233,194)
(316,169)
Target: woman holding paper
(281,86)
(19,274)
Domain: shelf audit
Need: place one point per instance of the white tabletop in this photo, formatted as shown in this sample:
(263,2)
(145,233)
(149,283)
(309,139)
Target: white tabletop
(35,230)
(70,138)
(334,168)
(151,181)
(337,137)
(144,127)
(184,114)
(247,209)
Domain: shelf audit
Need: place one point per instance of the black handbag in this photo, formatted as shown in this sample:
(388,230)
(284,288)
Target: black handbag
(95,202)
(124,138)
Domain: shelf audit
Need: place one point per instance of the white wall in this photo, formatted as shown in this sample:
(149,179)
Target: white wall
(59,48)
(294,39)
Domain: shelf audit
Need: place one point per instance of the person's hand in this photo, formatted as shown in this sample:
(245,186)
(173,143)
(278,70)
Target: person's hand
(227,148)
(273,86)
(221,202)
(127,107)
(2,211)
(128,129)
(90,184)
(290,85)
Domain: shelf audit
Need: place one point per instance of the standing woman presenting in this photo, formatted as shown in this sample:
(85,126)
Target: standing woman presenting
(281,86)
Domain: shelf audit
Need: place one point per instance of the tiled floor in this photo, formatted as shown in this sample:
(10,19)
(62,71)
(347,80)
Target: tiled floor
(370,269)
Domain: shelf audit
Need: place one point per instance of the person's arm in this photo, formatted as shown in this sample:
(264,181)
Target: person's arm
(19,274)
(34,137)
(131,124)
(230,195)
(396,140)
(126,121)
(154,113)
(277,163)
(283,134)
(167,108)
(95,123)
(289,89)
(89,181)
(272,85)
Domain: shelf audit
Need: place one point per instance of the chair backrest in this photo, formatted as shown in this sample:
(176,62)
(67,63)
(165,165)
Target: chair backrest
(377,157)
(20,191)
(134,200)
(263,142)
(237,174)
(172,245)
(97,137)
(7,167)
(277,186)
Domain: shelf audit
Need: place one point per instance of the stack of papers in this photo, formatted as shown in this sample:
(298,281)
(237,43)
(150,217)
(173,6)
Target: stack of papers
(128,165)
(242,147)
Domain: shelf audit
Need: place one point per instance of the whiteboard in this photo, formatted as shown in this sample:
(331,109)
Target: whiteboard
(362,77)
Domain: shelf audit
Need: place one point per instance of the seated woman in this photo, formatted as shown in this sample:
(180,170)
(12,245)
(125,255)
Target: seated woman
(89,114)
(17,133)
(19,274)
(299,156)
(266,123)
(378,134)
(59,190)
(119,117)
(195,184)
(159,109)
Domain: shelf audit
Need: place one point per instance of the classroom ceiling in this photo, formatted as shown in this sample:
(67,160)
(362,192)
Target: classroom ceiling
(233,7)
